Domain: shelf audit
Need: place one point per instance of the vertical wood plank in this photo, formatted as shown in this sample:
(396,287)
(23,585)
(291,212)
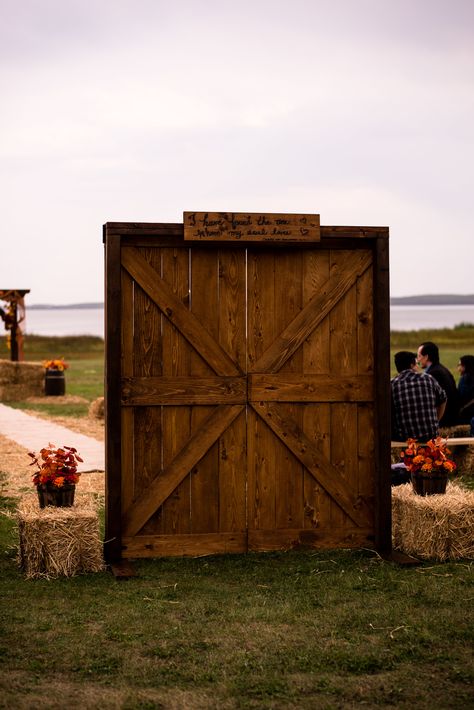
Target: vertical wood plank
(316,417)
(128,471)
(365,366)
(205,476)
(233,443)
(289,505)
(176,420)
(344,454)
(365,324)
(343,356)
(366,451)
(261,462)
(383,510)
(232,304)
(232,477)
(147,363)
(113,429)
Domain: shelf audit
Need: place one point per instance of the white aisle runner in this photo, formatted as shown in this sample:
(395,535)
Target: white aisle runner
(33,434)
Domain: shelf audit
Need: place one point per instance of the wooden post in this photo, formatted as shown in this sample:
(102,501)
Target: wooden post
(14,319)
(113,431)
(383,508)
(13,336)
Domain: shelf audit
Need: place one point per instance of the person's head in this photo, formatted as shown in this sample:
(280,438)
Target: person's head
(466,365)
(405,360)
(428,354)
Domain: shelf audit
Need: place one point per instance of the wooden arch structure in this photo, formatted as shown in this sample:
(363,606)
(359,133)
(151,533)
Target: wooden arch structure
(13,316)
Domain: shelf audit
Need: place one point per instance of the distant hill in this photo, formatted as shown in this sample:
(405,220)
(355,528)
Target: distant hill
(51,307)
(439,299)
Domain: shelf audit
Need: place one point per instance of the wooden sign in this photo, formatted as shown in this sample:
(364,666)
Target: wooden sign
(251,226)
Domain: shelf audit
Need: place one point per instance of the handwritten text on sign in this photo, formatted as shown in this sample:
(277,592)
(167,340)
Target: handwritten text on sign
(253,226)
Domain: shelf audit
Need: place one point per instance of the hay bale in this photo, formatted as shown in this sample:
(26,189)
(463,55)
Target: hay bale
(438,527)
(19,380)
(59,541)
(96,409)
(463,456)
(460,431)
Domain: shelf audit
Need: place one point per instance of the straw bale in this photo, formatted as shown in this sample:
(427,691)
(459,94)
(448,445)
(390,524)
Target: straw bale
(96,409)
(460,431)
(437,527)
(59,541)
(19,380)
(463,456)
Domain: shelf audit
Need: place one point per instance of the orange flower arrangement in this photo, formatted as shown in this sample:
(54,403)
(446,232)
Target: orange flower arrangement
(58,364)
(57,466)
(428,459)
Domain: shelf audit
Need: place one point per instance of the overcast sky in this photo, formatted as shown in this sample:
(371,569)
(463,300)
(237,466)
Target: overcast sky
(136,110)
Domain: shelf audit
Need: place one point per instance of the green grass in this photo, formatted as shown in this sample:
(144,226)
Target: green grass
(452,343)
(84,376)
(42,347)
(279,630)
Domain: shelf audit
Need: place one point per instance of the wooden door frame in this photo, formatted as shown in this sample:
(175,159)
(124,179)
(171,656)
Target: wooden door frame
(116,234)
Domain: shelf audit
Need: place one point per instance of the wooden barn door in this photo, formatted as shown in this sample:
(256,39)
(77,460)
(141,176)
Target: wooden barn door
(241,397)
(183,401)
(311,395)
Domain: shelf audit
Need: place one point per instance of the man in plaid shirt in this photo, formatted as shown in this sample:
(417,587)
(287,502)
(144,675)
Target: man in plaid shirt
(418,401)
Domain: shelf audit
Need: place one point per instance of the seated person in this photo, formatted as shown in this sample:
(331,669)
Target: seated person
(418,401)
(428,359)
(466,389)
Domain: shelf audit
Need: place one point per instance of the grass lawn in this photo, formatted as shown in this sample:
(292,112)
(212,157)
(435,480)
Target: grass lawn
(334,629)
(300,629)
(452,343)
(84,377)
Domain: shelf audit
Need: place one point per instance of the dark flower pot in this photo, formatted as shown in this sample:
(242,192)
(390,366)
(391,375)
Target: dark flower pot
(54,382)
(429,485)
(58,496)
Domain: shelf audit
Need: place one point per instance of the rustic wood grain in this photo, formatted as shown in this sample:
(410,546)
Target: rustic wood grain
(177,313)
(165,482)
(233,476)
(316,417)
(128,426)
(294,539)
(261,453)
(343,355)
(182,545)
(293,336)
(148,354)
(233,441)
(289,505)
(176,509)
(205,472)
(383,510)
(113,429)
(189,390)
(366,367)
(310,388)
(250,227)
(322,470)
(298,467)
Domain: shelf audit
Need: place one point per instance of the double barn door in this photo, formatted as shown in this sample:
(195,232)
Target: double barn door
(246,411)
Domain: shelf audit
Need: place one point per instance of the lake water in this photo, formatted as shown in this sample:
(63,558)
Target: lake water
(68,321)
(90,321)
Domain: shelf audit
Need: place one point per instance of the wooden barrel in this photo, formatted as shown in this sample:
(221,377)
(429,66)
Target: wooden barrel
(54,382)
